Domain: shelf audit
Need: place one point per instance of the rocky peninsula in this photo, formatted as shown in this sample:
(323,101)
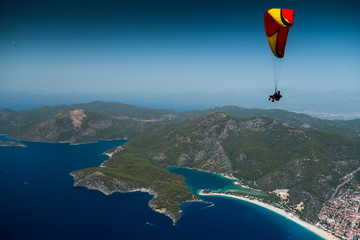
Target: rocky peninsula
(11,144)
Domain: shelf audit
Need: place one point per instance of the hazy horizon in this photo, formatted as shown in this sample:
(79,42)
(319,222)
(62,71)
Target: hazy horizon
(325,104)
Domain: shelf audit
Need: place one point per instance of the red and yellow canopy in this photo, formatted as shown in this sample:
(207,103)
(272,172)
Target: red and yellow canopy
(277,24)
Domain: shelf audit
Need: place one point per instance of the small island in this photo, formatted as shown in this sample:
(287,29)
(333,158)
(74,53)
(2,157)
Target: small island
(11,144)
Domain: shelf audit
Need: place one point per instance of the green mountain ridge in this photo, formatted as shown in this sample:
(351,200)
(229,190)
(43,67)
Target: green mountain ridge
(70,125)
(16,123)
(349,127)
(264,152)
(265,149)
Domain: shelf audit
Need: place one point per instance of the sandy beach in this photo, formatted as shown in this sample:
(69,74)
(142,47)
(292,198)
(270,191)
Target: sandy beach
(290,216)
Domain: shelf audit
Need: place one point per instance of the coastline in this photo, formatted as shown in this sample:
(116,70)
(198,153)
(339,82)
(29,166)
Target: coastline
(290,216)
(107,192)
(110,154)
(11,144)
(235,180)
(65,142)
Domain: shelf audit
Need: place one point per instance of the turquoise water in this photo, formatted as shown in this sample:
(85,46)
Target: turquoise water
(198,180)
(38,201)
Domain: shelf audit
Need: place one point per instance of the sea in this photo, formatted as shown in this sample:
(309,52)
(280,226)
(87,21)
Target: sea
(38,201)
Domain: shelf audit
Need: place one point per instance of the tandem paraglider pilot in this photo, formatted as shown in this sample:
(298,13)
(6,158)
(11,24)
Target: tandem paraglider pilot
(277,22)
(275,97)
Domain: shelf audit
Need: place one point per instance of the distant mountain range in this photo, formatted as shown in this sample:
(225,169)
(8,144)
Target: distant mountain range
(266,149)
(109,120)
(324,104)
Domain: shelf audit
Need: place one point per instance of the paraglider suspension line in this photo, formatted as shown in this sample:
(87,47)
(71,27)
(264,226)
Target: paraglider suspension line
(277,70)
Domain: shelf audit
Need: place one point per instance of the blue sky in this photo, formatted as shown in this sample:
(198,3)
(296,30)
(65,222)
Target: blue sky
(174,46)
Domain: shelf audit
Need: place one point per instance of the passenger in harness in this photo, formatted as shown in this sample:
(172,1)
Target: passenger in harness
(275,97)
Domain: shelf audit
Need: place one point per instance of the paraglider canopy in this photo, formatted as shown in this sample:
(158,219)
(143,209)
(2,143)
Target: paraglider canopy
(277,24)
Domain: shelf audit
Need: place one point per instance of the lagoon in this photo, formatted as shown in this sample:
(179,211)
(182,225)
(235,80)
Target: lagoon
(38,201)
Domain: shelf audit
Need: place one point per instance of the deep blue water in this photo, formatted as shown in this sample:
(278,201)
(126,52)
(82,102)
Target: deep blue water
(38,201)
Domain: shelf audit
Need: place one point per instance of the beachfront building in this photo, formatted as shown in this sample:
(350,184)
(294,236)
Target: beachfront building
(341,215)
